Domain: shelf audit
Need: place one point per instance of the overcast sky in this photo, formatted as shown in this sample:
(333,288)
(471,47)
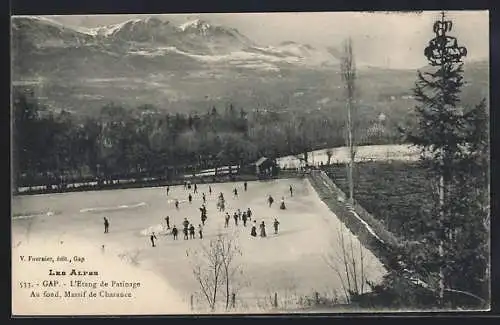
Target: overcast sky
(393,40)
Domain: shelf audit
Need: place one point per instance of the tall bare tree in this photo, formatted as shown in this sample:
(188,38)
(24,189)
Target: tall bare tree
(348,73)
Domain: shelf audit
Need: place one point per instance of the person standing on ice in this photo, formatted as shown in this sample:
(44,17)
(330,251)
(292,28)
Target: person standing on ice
(175,232)
(270,200)
(185,231)
(244,217)
(282,205)
(204,198)
(153,238)
(209,189)
(190,198)
(200,231)
(191,232)
(167,220)
(291,190)
(106,225)
(245,186)
(276,224)
(239,214)
(177,204)
(235,191)
(253,232)
(262,229)
(168,189)
(226,224)
(249,214)
(235,219)
(195,188)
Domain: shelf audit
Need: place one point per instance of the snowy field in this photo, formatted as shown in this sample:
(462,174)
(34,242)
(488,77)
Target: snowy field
(341,155)
(290,263)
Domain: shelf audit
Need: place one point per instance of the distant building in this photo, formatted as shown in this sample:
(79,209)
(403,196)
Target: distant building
(265,167)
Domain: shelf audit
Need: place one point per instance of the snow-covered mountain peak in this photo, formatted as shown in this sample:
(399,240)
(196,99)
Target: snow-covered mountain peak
(196,24)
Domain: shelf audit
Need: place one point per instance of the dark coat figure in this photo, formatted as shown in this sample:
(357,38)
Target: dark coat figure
(249,214)
(195,188)
(167,219)
(177,204)
(175,232)
(168,189)
(239,214)
(226,224)
(270,200)
(106,225)
(189,185)
(185,223)
(291,190)
(185,231)
(235,191)
(185,184)
(191,232)
(235,218)
(221,196)
(244,217)
(209,189)
(245,186)
(153,238)
(200,231)
(204,198)
(190,198)
(262,229)
(203,218)
(276,224)
(282,205)
(253,232)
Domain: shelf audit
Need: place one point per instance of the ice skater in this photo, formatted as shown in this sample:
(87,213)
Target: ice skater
(253,232)
(190,198)
(153,238)
(185,231)
(175,232)
(195,188)
(239,214)
(191,232)
(291,190)
(282,205)
(200,231)
(177,204)
(235,216)
(276,224)
(204,198)
(262,229)
(244,217)
(209,189)
(106,225)
(270,200)
(168,189)
(185,184)
(226,224)
(203,218)
(245,186)
(249,214)
(235,191)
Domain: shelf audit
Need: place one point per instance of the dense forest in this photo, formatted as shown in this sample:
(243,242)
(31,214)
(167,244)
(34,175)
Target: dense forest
(55,148)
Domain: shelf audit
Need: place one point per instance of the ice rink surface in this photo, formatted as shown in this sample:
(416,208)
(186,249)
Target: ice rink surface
(291,262)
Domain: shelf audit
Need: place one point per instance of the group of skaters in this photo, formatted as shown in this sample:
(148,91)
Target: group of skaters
(189,230)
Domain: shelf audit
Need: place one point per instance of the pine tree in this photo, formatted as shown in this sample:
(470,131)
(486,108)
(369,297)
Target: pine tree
(444,134)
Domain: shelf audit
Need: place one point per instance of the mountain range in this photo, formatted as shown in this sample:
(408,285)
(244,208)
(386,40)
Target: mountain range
(190,67)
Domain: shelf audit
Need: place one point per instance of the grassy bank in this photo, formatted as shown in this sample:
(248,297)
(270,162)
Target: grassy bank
(395,193)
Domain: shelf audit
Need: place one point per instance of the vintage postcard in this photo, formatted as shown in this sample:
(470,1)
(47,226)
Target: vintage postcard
(250,163)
